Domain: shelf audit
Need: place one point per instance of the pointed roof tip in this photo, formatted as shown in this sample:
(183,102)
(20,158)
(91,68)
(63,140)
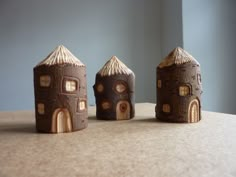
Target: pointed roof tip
(114,66)
(114,57)
(179,48)
(176,50)
(60,55)
(177,56)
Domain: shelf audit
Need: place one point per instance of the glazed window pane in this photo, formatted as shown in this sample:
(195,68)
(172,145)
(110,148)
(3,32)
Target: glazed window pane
(100,88)
(82,105)
(159,83)
(106,105)
(166,108)
(45,81)
(70,86)
(41,108)
(199,78)
(120,87)
(184,90)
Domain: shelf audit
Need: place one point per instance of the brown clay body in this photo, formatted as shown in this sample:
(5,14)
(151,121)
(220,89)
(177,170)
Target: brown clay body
(114,95)
(179,88)
(60,97)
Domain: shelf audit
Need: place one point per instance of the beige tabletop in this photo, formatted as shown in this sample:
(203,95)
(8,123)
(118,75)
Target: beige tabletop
(142,146)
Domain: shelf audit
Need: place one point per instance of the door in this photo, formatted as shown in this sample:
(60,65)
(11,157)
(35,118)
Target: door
(122,110)
(194,111)
(61,121)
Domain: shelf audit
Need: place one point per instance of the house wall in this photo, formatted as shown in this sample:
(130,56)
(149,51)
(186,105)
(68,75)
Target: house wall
(93,30)
(209,35)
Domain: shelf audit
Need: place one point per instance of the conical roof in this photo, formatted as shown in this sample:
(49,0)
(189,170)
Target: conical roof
(178,56)
(114,66)
(61,55)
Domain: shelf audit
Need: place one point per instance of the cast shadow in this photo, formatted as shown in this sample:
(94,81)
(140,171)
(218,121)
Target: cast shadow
(133,120)
(95,119)
(144,119)
(148,120)
(17,128)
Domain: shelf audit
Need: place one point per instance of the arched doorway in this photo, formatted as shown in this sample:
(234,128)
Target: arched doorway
(61,121)
(122,110)
(194,111)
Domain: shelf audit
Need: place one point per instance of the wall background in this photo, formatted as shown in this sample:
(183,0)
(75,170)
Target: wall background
(92,30)
(171,26)
(139,32)
(209,35)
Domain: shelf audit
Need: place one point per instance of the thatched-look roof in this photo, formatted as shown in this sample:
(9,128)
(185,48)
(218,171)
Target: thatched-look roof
(114,66)
(178,56)
(61,55)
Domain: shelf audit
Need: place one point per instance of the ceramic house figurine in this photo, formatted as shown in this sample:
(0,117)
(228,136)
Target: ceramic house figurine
(179,88)
(114,91)
(60,93)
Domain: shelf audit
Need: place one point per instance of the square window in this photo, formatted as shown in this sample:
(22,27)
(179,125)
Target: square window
(184,90)
(82,105)
(159,83)
(166,108)
(41,108)
(45,81)
(70,86)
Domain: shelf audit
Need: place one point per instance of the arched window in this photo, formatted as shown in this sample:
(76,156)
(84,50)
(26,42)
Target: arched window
(166,108)
(199,79)
(184,90)
(45,81)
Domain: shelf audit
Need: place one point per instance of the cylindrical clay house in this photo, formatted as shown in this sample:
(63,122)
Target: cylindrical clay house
(179,88)
(114,91)
(60,93)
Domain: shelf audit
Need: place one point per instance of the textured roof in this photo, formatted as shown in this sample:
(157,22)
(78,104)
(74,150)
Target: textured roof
(178,56)
(61,55)
(114,66)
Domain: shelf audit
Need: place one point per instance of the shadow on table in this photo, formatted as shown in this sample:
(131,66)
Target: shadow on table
(144,119)
(138,119)
(17,128)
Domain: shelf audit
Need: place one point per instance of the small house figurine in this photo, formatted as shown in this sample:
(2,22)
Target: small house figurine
(179,88)
(114,91)
(60,93)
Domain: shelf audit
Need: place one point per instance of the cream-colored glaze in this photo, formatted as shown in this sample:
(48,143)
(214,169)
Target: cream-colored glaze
(125,114)
(193,111)
(61,121)
(61,55)
(178,56)
(114,66)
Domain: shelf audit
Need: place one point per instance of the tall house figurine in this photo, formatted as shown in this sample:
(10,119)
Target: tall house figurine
(60,93)
(179,88)
(114,91)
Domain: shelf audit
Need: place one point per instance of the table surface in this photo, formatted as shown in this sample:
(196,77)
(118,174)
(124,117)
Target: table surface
(142,146)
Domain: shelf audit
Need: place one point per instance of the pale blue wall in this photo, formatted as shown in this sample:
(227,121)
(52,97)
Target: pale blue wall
(209,33)
(140,32)
(93,30)
(171,26)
